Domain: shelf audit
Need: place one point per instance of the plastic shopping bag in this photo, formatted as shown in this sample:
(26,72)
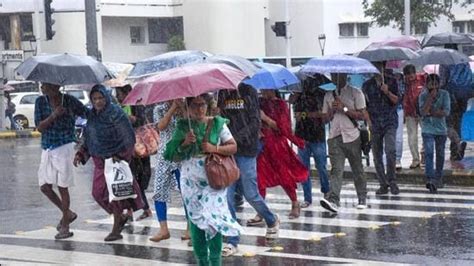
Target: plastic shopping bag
(119,180)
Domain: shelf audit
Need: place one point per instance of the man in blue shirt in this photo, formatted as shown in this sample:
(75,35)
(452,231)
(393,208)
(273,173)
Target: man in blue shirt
(55,115)
(435,106)
(382,100)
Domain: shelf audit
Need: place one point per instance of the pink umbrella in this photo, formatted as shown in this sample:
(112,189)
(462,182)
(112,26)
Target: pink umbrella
(186,81)
(402,41)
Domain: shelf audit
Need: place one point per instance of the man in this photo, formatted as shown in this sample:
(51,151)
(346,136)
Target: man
(242,109)
(382,99)
(434,107)
(413,87)
(55,115)
(341,108)
(311,128)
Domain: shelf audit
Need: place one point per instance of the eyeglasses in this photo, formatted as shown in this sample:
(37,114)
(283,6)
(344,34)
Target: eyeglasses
(198,105)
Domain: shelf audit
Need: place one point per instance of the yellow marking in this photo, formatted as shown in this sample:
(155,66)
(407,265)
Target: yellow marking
(445,213)
(395,223)
(35,134)
(277,248)
(315,238)
(248,254)
(340,234)
(374,227)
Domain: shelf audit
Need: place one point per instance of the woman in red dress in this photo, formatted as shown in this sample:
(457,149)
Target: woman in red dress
(278,164)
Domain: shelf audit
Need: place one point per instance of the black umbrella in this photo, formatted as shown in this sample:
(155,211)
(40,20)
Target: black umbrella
(441,56)
(387,53)
(446,38)
(64,69)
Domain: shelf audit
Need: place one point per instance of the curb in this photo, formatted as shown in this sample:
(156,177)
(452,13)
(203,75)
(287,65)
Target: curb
(19,134)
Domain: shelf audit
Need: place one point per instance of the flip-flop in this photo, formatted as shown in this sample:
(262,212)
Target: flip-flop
(63,235)
(74,217)
(257,220)
(112,237)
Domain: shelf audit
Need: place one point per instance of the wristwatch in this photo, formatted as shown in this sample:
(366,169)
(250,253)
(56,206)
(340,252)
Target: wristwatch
(345,109)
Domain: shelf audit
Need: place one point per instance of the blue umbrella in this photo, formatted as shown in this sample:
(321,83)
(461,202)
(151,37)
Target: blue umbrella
(355,80)
(166,61)
(274,77)
(338,64)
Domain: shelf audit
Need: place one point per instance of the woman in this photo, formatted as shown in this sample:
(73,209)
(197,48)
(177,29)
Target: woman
(287,169)
(208,213)
(166,172)
(140,166)
(108,134)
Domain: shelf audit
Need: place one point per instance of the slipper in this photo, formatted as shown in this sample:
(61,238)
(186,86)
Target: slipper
(112,237)
(63,235)
(74,217)
(158,238)
(257,220)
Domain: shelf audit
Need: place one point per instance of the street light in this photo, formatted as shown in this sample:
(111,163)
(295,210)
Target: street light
(322,42)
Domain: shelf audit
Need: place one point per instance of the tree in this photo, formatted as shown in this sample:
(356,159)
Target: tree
(391,12)
(176,43)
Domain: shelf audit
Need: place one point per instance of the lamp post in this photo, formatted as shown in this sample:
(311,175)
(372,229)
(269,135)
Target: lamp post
(322,42)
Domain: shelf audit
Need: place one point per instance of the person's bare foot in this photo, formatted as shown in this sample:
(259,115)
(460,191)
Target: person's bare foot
(295,210)
(185,236)
(160,236)
(144,215)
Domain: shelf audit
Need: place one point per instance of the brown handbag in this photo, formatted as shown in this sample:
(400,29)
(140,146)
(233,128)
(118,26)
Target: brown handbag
(146,141)
(221,170)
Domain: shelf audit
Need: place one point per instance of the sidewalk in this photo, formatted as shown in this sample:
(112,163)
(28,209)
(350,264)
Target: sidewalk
(19,134)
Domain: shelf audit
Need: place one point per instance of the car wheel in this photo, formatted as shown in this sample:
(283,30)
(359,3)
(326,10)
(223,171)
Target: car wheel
(21,122)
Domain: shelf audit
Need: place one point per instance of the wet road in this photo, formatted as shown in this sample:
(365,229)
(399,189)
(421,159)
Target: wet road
(414,227)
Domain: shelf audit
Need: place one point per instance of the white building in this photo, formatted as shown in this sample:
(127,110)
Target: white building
(130,30)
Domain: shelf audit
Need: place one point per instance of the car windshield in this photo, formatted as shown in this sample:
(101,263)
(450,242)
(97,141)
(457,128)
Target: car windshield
(78,94)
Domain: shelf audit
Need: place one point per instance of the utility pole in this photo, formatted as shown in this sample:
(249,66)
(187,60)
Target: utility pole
(407,18)
(92,42)
(15,32)
(288,35)
(38,5)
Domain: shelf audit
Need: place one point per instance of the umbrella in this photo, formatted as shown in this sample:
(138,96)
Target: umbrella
(355,80)
(387,53)
(238,62)
(186,81)
(120,71)
(7,87)
(273,76)
(402,41)
(64,69)
(166,61)
(446,38)
(338,64)
(434,55)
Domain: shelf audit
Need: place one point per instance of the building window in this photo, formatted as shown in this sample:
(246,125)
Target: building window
(26,28)
(458,26)
(421,28)
(346,29)
(160,30)
(362,29)
(470,26)
(137,35)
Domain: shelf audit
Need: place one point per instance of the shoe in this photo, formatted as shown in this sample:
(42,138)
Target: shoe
(63,235)
(229,250)
(398,166)
(257,220)
(330,206)
(462,150)
(305,204)
(394,189)
(414,165)
(272,232)
(382,190)
(112,237)
(362,204)
(432,188)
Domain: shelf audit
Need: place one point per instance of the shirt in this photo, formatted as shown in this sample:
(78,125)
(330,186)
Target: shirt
(310,129)
(412,91)
(61,130)
(382,112)
(353,99)
(430,124)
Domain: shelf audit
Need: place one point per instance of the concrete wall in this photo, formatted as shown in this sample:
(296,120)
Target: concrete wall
(225,26)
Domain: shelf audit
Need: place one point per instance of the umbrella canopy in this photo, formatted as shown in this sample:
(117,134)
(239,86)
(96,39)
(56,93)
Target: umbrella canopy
(238,62)
(403,41)
(273,76)
(64,69)
(120,71)
(166,61)
(434,55)
(186,81)
(355,80)
(446,38)
(387,53)
(338,64)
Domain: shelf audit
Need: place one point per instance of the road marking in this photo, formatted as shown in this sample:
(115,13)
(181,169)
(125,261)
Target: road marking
(305,220)
(418,187)
(249,231)
(391,202)
(65,257)
(48,255)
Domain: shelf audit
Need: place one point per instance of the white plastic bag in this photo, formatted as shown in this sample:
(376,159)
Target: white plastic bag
(119,180)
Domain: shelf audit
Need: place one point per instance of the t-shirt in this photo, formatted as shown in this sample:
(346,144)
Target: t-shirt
(310,129)
(341,124)
(430,124)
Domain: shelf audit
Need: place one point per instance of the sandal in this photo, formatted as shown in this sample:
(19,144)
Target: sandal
(229,250)
(73,218)
(112,237)
(257,220)
(185,237)
(144,215)
(63,235)
(158,238)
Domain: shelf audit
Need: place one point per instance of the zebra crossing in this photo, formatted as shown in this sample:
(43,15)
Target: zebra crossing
(313,238)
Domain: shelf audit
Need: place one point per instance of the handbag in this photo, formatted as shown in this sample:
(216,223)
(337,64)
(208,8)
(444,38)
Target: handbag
(119,179)
(221,170)
(146,141)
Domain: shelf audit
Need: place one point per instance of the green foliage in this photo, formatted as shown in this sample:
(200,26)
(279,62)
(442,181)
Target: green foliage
(176,43)
(391,12)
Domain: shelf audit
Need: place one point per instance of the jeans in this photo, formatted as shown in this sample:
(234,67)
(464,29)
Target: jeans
(399,144)
(338,152)
(412,131)
(384,141)
(247,184)
(318,151)
(431,143)
(12,121)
